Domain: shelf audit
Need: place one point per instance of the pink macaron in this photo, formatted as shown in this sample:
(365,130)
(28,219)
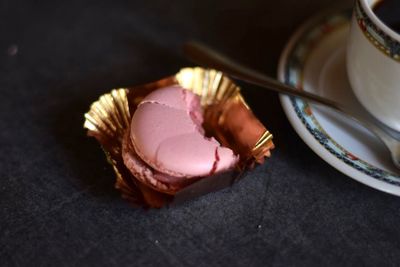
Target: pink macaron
(166,133)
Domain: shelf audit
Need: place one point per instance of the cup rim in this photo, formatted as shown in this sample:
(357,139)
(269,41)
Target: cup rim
(378,21)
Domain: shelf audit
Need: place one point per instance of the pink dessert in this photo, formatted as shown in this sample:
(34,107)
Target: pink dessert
(168,142)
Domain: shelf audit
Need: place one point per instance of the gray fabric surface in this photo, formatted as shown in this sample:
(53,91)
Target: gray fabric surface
(57,202)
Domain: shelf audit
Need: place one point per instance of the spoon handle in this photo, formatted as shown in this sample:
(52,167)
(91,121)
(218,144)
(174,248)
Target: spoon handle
(207,57)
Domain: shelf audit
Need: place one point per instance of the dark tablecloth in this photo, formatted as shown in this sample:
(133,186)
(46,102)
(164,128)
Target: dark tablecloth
(57,202)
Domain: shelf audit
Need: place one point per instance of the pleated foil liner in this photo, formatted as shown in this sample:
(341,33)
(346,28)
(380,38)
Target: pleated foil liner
(227,117)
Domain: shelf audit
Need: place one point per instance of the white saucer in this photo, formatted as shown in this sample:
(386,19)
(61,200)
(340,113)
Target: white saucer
(314,60)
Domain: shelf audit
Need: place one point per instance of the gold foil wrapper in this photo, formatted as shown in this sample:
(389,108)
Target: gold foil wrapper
(227,117)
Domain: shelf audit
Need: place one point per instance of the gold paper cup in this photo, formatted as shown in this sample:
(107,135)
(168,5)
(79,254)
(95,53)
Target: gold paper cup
(227,117)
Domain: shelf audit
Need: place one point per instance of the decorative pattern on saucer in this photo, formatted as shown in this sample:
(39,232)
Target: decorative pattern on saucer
(294,76)
(377,37)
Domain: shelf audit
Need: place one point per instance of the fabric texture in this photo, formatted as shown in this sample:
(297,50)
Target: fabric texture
(58,206)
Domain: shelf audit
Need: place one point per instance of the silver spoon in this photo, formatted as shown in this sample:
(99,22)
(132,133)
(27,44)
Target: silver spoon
(206,57)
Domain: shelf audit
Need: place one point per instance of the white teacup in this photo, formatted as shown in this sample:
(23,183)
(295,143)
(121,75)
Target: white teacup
(373,64)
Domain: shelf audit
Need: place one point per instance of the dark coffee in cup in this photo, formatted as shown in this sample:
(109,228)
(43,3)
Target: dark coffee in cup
(388,11)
